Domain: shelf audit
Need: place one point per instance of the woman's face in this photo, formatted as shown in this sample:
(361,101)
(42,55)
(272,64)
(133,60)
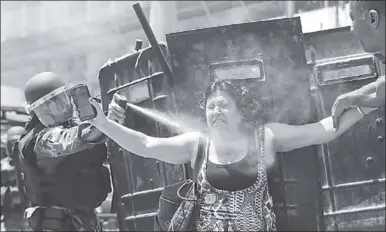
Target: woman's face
(222,114)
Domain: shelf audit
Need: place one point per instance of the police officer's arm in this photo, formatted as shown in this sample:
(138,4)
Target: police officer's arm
(371,95)
(91,134)
(290,137)
(59,141)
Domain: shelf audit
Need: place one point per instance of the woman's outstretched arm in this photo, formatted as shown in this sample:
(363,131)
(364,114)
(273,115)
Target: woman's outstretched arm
(290,137)
(176,150)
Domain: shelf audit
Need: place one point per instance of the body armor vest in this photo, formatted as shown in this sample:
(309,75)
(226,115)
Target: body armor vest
(79,181)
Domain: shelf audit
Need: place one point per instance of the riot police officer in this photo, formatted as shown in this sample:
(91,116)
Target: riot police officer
(13,135)
(368,25)
(12,209)
(62,177)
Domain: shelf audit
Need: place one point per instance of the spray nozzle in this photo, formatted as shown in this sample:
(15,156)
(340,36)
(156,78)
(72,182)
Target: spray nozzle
(122,103)
(120,100)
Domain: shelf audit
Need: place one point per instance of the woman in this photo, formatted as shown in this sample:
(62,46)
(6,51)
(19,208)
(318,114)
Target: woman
(232,179)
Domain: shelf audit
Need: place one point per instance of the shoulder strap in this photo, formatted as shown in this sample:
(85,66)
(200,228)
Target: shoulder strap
(202,144)
(18,156)
(25,141)
(27,168)
(259,140)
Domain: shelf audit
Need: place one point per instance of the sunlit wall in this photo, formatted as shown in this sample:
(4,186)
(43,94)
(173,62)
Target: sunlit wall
(75,38)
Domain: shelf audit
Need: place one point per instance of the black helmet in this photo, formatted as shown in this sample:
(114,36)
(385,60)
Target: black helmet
(47,96)
(13,134)
(40,85)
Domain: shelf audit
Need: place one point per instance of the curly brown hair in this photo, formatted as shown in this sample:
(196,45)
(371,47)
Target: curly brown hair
(246,102)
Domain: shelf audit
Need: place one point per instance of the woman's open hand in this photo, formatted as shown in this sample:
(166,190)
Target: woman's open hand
(116,112)
(100,116)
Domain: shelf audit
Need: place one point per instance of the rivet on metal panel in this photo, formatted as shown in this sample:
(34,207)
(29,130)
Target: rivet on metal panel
(370,160)
(381,138)
(379,121)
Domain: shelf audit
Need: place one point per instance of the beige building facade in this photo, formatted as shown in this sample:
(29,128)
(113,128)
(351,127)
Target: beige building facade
(75,38)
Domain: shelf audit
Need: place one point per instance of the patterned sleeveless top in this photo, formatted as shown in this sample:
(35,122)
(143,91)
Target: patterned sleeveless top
(249,209)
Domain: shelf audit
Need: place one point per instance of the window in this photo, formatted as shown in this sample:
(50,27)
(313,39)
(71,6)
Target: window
(33,11)
(43,16)
(247,69)
(345,72)
(78,11)
(185,5)
(99,9)
(345,69)
(15,23)
(76,68)
(6,16)
(56,14)
(302,6)
(123,7)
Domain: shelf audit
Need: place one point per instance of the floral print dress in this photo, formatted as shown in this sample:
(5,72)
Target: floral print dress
(249,209)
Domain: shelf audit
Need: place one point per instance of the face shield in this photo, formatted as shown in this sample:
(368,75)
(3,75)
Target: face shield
(54,108)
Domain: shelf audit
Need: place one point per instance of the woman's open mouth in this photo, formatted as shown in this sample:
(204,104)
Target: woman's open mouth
(218,120)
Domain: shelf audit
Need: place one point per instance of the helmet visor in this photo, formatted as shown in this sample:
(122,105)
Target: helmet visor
(54,108)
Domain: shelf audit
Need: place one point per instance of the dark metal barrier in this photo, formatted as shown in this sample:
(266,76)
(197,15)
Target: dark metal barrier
(352,166)
(138,181)
(336,186)
(271,55)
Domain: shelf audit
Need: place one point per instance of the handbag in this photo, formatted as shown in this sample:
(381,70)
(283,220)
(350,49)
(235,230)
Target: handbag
(179,205)
(53,218)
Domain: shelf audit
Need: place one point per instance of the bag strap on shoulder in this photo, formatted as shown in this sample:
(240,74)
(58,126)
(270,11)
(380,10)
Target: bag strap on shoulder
(202,146)
(259,141)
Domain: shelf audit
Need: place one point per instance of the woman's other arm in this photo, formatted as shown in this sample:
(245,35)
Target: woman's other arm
(290,137)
